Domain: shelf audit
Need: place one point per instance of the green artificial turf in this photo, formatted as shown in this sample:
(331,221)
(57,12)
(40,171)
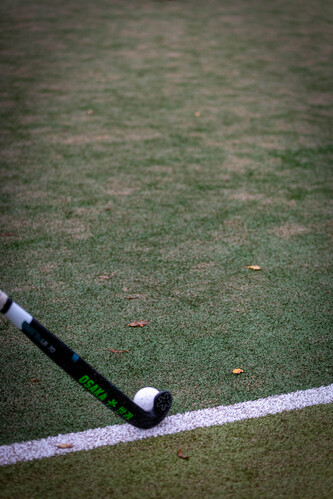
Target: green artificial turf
(154,150)
(286,455)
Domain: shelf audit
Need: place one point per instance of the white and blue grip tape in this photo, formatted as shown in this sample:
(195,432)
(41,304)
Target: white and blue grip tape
(16,314)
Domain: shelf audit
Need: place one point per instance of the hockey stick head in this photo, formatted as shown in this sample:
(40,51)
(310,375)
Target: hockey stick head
(162,403)
(159,408)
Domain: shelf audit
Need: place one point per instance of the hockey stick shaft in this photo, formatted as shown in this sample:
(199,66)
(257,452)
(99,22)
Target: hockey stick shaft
(82,372)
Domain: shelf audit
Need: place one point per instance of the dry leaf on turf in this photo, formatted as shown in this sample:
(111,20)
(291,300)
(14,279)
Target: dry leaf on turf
(65,446)
(118,351)
(140,323)
(181,454)
(254,267)
(237,371)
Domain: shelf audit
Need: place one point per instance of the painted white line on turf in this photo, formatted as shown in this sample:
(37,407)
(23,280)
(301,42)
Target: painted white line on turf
(112,435)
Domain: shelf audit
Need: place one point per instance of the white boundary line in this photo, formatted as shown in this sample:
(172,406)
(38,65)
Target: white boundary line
(112,435)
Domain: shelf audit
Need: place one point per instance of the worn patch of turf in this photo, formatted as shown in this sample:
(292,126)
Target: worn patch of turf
(166,145)
(286,455)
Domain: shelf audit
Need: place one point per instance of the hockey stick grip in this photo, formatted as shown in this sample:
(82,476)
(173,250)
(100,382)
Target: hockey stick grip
(3,302)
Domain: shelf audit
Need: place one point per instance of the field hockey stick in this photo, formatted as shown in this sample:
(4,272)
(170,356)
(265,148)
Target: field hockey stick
(83,373)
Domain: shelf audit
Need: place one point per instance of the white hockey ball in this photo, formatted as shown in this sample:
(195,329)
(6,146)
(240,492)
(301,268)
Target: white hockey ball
(145,398)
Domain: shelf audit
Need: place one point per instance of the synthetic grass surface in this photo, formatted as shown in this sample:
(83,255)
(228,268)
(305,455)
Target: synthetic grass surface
(287,455)
(166,146)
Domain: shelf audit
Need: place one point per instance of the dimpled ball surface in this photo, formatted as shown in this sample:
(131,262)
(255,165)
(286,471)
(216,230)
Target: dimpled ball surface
(145,398)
